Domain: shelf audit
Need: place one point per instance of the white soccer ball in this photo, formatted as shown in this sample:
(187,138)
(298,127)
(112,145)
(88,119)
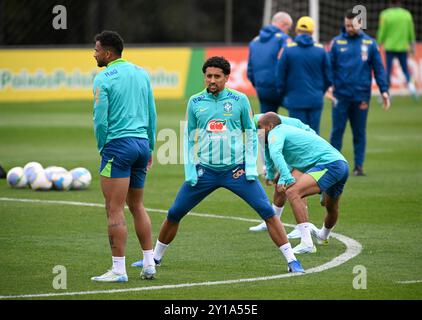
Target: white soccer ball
(31,169)
(16,178)
(81,178)
(62,180)
(53,169)
(40,181)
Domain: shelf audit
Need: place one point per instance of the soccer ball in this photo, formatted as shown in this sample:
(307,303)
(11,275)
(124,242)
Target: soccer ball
(62,180)
(81,178)
(40,181)
(53,169)
(16,178)
(31,169)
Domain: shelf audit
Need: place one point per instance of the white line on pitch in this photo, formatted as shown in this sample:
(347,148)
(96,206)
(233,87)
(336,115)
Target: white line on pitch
(353,248)
(409,281)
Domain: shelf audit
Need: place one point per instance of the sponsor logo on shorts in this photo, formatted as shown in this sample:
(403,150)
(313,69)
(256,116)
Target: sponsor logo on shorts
(238,173)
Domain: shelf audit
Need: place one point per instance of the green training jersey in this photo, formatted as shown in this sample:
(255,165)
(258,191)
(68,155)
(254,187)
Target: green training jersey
(271,170)
(396,30)
(220,134)
(124,104)
(291,147)
(286,120)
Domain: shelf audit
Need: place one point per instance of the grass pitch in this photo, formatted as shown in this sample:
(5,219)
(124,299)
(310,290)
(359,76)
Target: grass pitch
(381,211)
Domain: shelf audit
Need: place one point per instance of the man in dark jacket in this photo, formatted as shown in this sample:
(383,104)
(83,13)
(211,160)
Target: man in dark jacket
(303,75)
(263,55)
(354,56)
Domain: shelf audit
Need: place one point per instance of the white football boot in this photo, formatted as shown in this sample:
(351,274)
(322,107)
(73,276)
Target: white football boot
(260,227)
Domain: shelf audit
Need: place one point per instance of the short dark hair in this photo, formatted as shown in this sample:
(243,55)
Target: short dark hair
(217,62)
(350,14)
(111,40)
(271,118)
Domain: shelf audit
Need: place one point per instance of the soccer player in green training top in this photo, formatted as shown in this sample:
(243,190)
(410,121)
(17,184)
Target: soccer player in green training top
(325,171)
(218,156)
(396,34)
(125,125)
(279,198)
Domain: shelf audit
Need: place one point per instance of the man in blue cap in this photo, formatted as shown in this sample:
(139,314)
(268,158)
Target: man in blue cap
(303,75)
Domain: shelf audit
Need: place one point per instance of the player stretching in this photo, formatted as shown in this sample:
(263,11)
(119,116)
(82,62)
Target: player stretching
(220,117)
(279,198)
(325,170)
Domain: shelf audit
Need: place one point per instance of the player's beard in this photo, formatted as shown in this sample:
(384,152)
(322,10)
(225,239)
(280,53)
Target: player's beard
(101,63)
(213,88)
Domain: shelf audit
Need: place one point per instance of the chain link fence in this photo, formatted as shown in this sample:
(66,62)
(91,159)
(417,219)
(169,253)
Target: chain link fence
(331,14)
(29,22)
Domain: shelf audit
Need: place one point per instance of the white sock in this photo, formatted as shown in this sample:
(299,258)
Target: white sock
(119,265)
(287,251)
(278,210)
(411,87)
(159,250)
(305,234)
(148,257)
(324,233)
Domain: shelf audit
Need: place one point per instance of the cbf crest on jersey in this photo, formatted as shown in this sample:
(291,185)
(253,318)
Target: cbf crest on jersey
(228,107)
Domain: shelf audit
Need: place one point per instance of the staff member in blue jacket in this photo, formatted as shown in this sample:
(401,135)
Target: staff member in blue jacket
(303,75)
(354,55)
(263,56)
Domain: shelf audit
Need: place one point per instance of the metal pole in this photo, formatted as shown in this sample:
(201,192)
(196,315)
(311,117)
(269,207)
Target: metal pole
(268,4)
(228,22)
(314,14)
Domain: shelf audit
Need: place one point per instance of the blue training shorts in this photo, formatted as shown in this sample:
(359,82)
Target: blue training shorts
(126,157)
(209,180)
(331,177)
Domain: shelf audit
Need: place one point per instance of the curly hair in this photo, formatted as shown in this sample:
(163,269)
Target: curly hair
(217,62)
(111,40)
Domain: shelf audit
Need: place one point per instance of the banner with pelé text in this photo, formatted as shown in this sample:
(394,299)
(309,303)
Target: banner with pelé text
(67,74)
